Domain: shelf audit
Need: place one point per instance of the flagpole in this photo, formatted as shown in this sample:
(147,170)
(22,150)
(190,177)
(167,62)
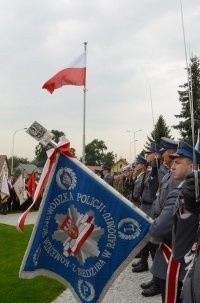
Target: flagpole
(153,120)
(152,113)
(189,75)
(84,111)
(190,95)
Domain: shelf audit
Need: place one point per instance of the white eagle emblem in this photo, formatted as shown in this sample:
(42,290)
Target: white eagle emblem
(79,234)
(66,178)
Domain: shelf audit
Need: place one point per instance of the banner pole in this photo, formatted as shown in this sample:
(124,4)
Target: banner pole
(190,95)
(84,111)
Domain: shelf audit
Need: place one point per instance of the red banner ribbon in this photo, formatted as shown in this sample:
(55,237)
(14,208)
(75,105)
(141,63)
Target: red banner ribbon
(63,148)
(172,274)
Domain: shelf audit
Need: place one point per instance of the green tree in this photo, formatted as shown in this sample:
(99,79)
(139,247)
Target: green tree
(95,152)
(108,159)
(73,151)
(160,130)
(40,150)
(16,162)
(184,126)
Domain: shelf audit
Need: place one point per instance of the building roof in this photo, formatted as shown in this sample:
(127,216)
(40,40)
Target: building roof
(29,168)
(95,167)
(121,160)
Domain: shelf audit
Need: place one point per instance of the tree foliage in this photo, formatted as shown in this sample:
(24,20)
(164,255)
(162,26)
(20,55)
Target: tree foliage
(73,151)
(160,130)
(184,126)
(16,162)
(40,150)
(108,159)
(95,154)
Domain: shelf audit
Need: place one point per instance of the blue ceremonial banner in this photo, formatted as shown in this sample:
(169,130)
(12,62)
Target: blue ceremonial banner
(86,232)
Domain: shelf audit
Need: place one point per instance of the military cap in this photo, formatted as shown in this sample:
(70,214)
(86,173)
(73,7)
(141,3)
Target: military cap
(133,164)
(154,148)
(141,160)
(127,168)
(168,143)
(97,171)
(185,150)
(105,167)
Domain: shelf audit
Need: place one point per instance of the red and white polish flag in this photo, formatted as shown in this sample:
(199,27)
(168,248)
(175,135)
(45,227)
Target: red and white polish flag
(74,74)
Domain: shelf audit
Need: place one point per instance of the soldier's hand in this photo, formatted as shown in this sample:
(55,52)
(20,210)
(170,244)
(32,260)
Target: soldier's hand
(191,202)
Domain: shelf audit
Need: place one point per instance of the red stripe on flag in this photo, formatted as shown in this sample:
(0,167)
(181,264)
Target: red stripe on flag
(74,74)
(31,185)
(68,76)
(83,239)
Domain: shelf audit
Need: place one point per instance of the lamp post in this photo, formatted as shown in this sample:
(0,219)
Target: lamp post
(13,142)
(134,140)
(131,149)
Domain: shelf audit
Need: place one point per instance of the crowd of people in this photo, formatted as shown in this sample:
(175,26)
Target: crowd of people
(20,194)
(165,186)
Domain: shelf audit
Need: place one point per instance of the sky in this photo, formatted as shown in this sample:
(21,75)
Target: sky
(134,48)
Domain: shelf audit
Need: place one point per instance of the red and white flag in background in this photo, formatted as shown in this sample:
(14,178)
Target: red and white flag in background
(19,187)
(4,189)
(74,74)
(31,185)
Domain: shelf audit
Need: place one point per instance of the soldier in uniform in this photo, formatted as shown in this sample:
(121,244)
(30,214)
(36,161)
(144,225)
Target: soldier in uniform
(185,233)
(151,181)
(118,182)
(148,189)
(107,177)
(139,173)
(99,173)
(166,185)
(127,182)
(161,228)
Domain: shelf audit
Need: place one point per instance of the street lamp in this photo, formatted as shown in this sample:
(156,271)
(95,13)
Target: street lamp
(134,148)
(13,141)
(131,149)
(134,140)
